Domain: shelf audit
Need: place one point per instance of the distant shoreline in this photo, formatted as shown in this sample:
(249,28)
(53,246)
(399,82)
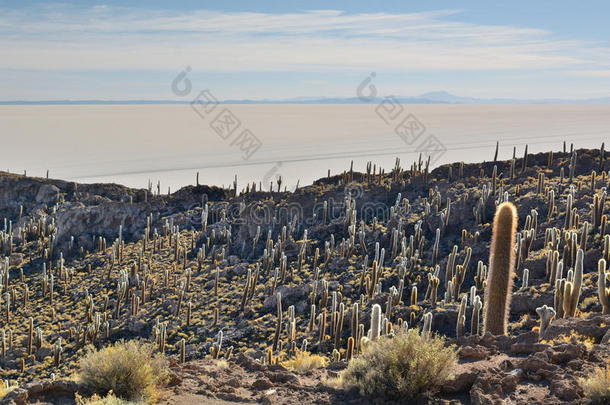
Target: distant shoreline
(331,101)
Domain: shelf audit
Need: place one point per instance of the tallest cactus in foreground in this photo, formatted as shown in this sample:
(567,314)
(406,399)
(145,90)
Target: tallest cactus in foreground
(501,270)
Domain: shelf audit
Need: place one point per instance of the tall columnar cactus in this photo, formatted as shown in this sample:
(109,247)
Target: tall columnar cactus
(602,286)
(436,246)
(525,279)
(572,288)
(413,296)
(182,351)
(501,270)
(558,297)
(278,325)
(376,320)
(30,335)
(350,348)
(476,314)
(433,285)
(427,328)
(461,318)
(57,350)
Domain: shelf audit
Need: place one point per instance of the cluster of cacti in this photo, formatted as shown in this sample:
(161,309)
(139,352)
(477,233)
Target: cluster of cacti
(572,286)
(364,275)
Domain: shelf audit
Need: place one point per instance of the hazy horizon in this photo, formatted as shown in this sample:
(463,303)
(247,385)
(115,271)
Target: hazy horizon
(432,97)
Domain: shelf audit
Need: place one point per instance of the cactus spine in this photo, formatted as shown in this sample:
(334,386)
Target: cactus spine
(501,270)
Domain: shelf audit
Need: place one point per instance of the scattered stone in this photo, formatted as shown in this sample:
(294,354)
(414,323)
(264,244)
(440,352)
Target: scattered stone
(262,384)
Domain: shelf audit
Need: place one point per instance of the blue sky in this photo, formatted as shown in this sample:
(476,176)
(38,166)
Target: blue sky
(282,49)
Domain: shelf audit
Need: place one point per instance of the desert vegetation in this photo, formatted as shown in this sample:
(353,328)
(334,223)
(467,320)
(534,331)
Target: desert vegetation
(126,369)
(400,367)
(597,386)
(109,399)
(485,265)
(303,362)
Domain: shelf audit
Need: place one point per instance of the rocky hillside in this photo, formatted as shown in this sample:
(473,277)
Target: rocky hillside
(247,276)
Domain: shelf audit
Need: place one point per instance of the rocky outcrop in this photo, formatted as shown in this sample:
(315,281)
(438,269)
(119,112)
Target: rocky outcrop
(53,392)
(87,211)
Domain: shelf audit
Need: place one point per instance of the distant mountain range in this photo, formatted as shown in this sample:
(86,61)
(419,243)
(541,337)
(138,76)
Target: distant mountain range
(448,98)
(435,97)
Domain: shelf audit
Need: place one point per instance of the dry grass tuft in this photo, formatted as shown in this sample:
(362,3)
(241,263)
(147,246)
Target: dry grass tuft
(109,399)
(400,367)
(131,370)
(5,389)
(303,362)
(597,386)
(222,364)
(573,338)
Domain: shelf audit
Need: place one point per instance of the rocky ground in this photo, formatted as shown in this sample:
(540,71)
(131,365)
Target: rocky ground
(87,265)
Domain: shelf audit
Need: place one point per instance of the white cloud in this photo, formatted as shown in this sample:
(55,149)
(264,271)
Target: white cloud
(589,73)
(108,38)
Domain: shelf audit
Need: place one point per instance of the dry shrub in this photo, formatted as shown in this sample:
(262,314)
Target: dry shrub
(303,362)
(131,370)
(5,389)
(109,399)
(573,338)
(222,364)
(597,386)
(399,367)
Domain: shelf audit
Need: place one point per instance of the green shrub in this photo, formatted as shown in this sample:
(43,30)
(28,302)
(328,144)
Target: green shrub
(131,370)
(399,367)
